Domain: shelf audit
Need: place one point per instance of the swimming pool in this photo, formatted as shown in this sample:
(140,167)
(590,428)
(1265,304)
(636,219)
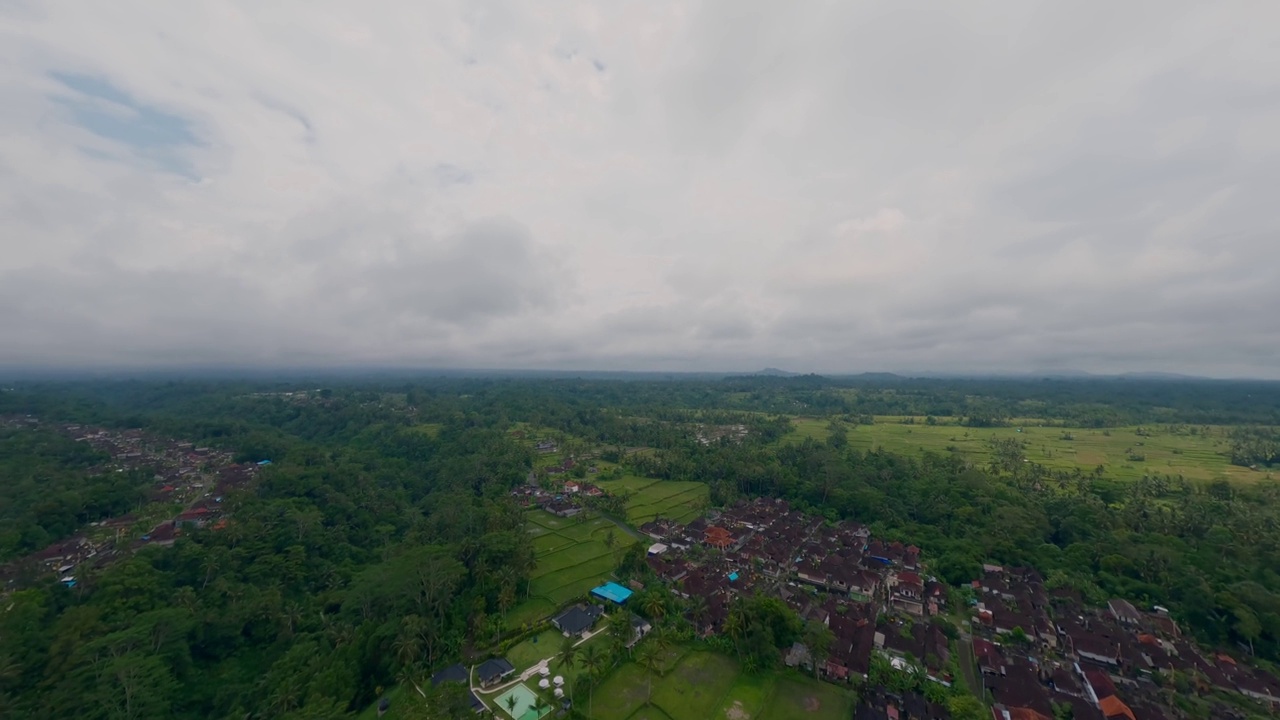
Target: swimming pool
(526,704)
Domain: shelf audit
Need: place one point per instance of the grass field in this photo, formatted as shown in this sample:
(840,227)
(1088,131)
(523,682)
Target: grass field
(709,686)
(697,685)
(795,699)
(1164,451)
(650,498)
(572,557)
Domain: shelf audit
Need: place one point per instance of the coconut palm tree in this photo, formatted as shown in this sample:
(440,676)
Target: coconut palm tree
(654,605)
(648,659)
(568,651)
(592,662)
(511,705)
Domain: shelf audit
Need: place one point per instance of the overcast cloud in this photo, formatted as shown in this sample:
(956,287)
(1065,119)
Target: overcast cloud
(823,187)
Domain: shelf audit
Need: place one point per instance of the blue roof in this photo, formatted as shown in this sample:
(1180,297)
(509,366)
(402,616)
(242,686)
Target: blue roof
(264,462)
(733,576)
(612,591)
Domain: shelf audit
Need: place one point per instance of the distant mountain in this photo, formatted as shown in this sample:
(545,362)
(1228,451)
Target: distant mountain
(1159,376)
(775,372)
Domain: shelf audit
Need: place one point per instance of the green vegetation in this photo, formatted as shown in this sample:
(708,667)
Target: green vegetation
(647,498)
(710,685)
(53,485)
(1129,453)
(572,556)
(803,699)
(383,543)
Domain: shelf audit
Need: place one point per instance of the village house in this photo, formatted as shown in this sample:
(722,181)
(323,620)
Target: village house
(577,620)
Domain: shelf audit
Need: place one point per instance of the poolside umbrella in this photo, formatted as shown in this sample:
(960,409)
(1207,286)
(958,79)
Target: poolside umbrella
(559,680)
(559,693)
(544,671)
(544,683)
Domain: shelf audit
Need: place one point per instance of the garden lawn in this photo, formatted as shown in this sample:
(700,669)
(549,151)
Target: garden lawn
(528,652)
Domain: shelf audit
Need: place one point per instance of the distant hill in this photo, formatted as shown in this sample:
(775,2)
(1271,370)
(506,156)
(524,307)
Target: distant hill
(775,372)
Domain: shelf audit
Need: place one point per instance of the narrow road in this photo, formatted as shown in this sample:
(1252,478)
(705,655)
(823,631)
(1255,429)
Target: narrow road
(536,667)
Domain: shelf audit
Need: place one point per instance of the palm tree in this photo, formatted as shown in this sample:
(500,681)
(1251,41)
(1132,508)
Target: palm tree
(698,611)
(734,627)
(654,605)
(620,629)
(662,637)
(592,661)
(511,705)
(648,660)
(568,652)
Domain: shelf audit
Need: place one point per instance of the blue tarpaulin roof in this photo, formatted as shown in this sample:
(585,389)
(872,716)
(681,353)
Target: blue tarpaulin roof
(733,576)
(612,591)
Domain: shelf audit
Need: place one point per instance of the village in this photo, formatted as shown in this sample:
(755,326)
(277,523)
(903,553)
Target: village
(1032,652)
(189,485)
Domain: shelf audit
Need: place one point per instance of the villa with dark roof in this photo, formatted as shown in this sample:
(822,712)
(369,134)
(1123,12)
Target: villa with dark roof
(577,620)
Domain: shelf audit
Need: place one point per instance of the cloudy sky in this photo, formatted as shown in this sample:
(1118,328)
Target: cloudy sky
(642,185)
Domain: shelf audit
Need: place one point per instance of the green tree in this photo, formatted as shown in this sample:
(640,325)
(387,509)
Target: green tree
(592,662)
(818,638)
(966,707)
(649,659)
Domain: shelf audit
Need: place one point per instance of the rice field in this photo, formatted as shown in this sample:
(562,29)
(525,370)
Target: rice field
(1124,452)
(678,500)
(573,556)
(711,686)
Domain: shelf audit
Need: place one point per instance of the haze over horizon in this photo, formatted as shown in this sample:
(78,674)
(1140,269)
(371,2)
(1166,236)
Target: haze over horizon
(659,186)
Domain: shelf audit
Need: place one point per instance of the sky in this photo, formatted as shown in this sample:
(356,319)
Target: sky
(820,186)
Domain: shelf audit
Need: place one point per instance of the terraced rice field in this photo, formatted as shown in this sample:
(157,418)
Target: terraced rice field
(678,500)
(573,557)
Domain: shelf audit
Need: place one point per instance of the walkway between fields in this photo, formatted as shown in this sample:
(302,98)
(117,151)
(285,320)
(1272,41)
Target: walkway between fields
(536,668)
(626,528)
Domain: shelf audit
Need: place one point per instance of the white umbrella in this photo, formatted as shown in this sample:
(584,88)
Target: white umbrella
(559,692)
(544,671)
(544,683)
(559,680)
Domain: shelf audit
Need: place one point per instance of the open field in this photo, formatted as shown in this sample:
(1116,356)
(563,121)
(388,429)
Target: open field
(796,699)
(709,686)
(697,685)
(650,498)
(1162,450)
(747,697)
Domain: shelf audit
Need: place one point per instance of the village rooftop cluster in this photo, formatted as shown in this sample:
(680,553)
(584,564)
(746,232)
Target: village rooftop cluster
(1030,649)
(195,479)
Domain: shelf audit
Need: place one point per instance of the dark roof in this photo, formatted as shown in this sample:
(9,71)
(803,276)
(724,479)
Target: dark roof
(576,619)
(453,673)
(495,668)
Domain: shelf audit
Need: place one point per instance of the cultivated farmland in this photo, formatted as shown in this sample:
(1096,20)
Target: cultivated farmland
(572,557)
(648,498)
(705,685)
(1125,452)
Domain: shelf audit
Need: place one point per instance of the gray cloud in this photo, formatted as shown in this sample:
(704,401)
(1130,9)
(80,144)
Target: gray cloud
(724,185)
